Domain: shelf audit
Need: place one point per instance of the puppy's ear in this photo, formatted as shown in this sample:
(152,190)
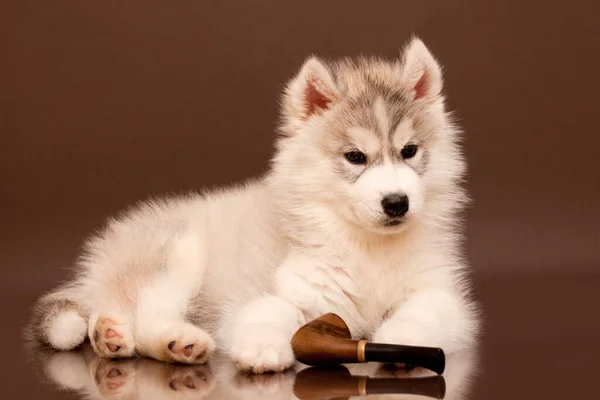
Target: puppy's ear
(310,93)
(421,73)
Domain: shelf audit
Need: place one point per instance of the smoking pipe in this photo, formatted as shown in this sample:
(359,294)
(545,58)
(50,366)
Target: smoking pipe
(327,341)
(336,382)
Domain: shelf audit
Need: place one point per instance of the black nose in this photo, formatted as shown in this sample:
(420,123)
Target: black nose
(395,205)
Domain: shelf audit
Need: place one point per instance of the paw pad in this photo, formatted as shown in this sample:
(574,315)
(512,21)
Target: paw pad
(190,345)
(111,339)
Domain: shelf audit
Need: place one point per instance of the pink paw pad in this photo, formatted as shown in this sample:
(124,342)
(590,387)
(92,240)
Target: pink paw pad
(110,339)
(189,351)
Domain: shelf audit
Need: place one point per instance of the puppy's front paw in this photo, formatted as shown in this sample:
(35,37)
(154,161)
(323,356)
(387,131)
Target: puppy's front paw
(403,333)
(407,334)
(268,350)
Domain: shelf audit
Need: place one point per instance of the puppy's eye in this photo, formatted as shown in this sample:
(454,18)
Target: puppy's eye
(409,151)
(356,157)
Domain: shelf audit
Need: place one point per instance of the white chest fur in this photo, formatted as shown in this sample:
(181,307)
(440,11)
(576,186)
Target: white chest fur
(361,287)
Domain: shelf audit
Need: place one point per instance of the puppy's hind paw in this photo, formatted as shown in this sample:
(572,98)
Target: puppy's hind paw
(112,337)
(188,344)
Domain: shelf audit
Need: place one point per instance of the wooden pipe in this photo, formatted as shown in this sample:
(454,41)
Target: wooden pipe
(337,382)
(327,341)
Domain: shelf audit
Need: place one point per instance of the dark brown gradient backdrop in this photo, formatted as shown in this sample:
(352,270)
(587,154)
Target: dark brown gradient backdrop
(105,102)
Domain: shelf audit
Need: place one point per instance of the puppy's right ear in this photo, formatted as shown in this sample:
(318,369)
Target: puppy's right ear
(310,93)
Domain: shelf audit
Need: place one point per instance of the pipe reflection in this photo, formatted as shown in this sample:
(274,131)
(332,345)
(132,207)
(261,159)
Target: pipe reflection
(336,382)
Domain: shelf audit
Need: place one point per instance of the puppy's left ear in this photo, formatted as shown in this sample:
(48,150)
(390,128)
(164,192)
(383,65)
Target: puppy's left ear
(312,92)
(421,73)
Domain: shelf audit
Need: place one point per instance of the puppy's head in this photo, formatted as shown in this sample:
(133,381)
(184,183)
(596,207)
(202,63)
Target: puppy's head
(367,139)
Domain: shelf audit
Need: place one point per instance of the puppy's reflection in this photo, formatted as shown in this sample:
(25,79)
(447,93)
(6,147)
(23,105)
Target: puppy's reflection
(97,378)
(94,378)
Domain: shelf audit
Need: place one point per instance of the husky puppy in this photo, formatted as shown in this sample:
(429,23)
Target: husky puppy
(359,215)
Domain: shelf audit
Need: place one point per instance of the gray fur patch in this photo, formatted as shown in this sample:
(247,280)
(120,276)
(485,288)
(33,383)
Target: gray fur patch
(363,82)
(420,166)
(343,168)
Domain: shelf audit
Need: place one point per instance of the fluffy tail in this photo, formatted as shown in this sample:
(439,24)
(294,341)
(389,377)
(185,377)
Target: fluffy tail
(58,321)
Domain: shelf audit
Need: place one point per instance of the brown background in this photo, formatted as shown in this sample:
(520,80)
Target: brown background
(105,102)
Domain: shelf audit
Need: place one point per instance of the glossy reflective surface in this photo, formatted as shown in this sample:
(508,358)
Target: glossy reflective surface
(540,341)
(83,374)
